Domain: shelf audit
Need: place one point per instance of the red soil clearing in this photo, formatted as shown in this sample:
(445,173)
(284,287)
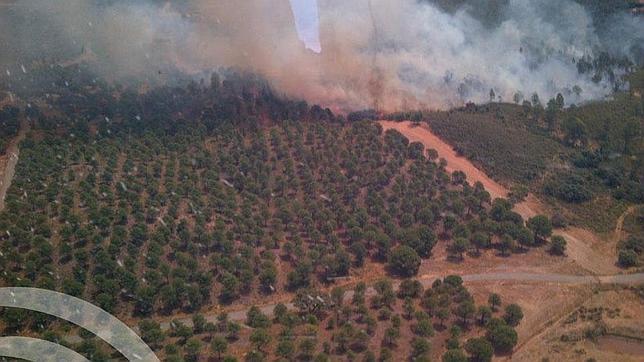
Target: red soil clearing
(454,162)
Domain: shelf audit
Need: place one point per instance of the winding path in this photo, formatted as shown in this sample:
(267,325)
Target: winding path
(619,225)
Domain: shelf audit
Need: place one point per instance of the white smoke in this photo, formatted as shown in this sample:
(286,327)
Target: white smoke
(307,22)
(442,59)
(375,53)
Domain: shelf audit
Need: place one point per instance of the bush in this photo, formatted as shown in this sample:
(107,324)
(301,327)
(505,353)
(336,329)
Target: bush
(256,319)
(420,347)
(569,188)
(480,349)
(454,355)
(502,337)
(503,148)
(513,314)
(587,159)
(627,258)
(635,243)
(421,239)
(404,261)
(558,245)
(409,289)
(558,220)
(454,281)
(541,226)
(610,176)
(631,190)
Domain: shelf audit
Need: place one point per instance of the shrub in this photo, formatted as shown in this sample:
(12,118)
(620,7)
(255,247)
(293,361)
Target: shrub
(570,188)
(454,355)
(480,349)
(558,245)
(541,226)
(502,337)
(513,314)
(504,148)
(635,243)
(558,220)
(409,289)
(420,347)
(587,159)
(256,319)
(627,258)
(404,261)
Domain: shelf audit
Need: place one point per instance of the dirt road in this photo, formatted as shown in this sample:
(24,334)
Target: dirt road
(427,280)
(13,151)
(580,243)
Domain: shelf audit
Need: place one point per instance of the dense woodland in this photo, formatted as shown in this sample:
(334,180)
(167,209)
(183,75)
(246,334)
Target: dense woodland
(178,199)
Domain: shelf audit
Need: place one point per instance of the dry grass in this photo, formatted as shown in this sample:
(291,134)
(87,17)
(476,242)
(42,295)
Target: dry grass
(619,310)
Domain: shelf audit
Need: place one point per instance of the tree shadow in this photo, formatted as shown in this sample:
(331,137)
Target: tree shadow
(439,327)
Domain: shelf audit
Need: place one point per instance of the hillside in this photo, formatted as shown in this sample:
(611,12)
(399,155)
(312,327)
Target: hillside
(176,209)
(322,180)
(584,160)
(214,201)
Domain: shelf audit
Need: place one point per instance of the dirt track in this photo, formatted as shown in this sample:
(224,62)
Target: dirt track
(424,135)
(454,162)
(427,280)
(619,225)
(13,151)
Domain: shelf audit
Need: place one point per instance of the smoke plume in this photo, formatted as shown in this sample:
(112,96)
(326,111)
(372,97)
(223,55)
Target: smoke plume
(386,54)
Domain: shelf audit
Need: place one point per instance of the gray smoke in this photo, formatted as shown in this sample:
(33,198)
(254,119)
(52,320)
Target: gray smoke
(375,53)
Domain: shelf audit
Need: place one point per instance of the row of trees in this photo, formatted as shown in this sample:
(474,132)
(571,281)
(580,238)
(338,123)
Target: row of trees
(160,222)
(148,204)
(351,322)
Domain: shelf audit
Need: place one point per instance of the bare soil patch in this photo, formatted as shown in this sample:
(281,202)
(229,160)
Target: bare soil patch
(618,310)
(542,305)
(589,251)
(621,345)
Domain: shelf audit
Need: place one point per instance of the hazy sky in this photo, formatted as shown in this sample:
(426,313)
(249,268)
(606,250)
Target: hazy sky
(307,22)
